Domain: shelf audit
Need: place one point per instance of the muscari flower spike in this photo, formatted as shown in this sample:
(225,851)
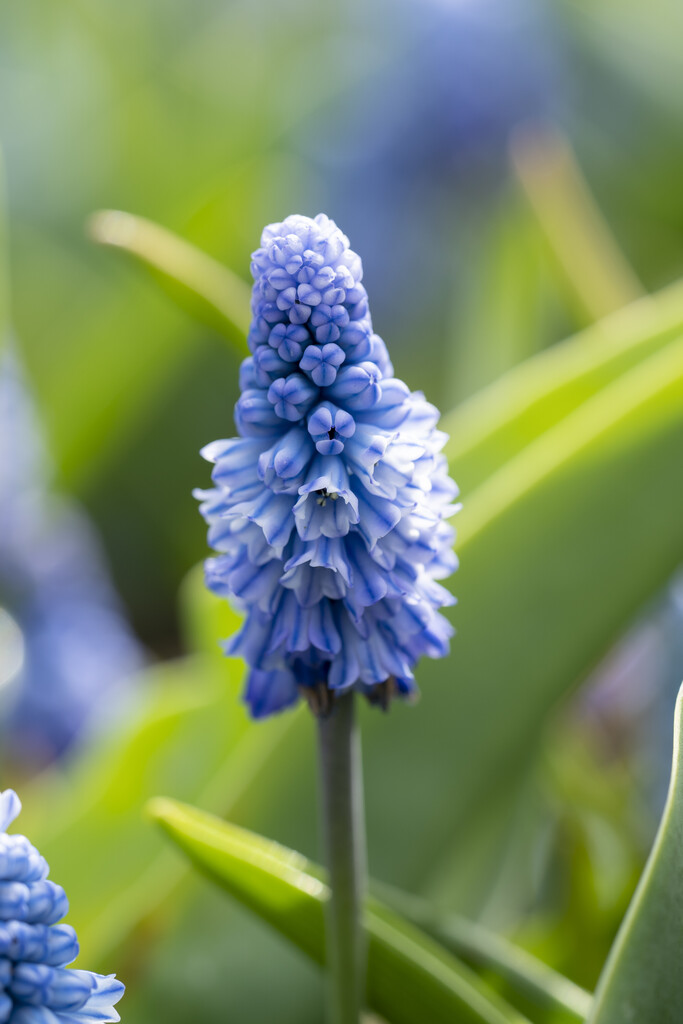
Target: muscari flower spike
(329,510)
(36,987)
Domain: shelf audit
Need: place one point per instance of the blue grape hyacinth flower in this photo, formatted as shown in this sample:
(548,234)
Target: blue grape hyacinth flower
(329,510)
(36,987)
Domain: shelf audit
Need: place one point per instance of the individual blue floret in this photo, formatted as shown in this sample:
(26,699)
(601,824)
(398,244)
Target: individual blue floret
(330,511)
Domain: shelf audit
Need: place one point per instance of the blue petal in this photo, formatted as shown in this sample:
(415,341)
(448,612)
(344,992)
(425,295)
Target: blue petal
(370,583)
(323,633)
(35,1015)
(252,640)
(257,585)
(357,387)
(10,808)
(393,407)
(376,516)
(47,903)
(100,1005)
(54,987)
(325,553)
(292,396)
(271,691)
(273,513)
(287,459)
(55,945)
(255,416)
(367,446)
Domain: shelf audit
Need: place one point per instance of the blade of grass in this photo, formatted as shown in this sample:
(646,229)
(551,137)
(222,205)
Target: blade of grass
(597,274)
(482,949)
(496,424)
(190,273)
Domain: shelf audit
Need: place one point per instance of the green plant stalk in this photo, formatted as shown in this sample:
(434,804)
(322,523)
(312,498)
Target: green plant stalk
(341,790)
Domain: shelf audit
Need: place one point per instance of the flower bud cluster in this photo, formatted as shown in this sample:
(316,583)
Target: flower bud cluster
(36,987)
(329,510)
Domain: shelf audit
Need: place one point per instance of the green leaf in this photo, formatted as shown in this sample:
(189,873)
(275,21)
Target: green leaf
(191,276)
(598,276)
(643,980)
(506,261)
(410,978)
(497,423)
(144,347)
(477,946)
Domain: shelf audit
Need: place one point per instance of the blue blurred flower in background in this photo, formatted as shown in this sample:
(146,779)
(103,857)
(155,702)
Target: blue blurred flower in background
(330,507)
(69,650)
(632,694)
(35,985)
(417,150)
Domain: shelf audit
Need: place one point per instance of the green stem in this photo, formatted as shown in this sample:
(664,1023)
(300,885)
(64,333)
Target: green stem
(344,841)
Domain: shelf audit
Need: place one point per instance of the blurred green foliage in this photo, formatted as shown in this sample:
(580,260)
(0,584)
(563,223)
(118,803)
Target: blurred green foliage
(483,798)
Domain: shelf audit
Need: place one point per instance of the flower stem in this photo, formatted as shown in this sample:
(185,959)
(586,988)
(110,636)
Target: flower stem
(344,841)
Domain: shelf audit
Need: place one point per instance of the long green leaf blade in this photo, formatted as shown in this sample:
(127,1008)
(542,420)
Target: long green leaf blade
(410,978)
(643,978)
(189,273)
(480,948)
(497,423)
(597,274)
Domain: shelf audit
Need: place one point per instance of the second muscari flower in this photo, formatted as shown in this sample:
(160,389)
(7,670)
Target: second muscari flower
(329,511)
(36,987)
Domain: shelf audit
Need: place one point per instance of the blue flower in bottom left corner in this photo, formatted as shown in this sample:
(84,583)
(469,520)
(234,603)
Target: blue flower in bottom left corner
(36,987)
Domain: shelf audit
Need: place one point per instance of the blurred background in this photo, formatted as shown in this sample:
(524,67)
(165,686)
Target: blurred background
(510,172)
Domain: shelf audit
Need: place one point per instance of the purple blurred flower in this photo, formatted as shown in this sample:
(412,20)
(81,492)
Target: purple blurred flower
(77,648)
(415,151)
(330,509)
